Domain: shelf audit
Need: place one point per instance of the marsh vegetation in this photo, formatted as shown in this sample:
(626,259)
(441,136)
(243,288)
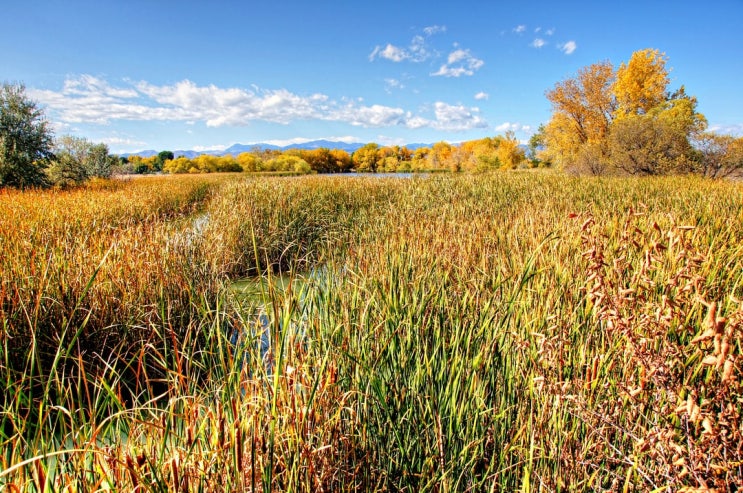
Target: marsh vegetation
(492,332)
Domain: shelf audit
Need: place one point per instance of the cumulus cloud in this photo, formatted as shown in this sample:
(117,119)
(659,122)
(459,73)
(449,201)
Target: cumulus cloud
(460,62)
(538,43)
(480,96)
(233,106)
(568,48)
(456,117)
(88,99)
(519,29)
(376,115)
(417,51)
(92,100)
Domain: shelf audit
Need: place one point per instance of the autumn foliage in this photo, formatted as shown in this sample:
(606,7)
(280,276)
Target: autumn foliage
(628,121)
(489,153)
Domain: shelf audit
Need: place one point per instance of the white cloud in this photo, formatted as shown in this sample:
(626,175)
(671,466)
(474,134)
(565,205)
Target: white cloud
(390,84)
(513,127)
(457,56)
(232,106)
(460,62)
(418,122)
(417,51)
(538,43)
(390,52)
(735,130)
(568,48)
(94,101)
(519,29)
(82,84)
(218,147)
(480,96)
(456,117)
(375,115)
(120,141)
(431,30)
(550,32)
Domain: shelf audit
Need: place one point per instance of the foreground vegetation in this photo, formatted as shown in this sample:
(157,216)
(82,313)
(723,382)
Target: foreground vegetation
(520,331)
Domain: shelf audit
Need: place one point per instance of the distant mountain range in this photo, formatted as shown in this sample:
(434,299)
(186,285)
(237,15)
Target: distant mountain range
(236,149)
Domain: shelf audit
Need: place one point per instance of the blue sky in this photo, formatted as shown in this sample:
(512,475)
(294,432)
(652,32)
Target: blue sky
(154,74)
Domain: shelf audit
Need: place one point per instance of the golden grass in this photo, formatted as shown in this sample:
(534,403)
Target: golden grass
(498,332)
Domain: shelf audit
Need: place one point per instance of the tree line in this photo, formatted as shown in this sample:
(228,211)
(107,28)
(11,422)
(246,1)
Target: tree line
(489,153)
(628,121)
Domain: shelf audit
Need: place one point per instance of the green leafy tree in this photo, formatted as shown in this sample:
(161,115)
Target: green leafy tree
(161,158)
(536,146)
(26,141)
(66,171)
(100,162)
(77,160)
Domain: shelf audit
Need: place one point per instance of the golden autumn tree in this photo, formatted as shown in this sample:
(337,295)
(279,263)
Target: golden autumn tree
(466,153)
(583,109)
(419,161)
(442,156)
(366,159)
(641,84)
(510,154)
(625,121)
(180,164)
(249,161)
(341,160)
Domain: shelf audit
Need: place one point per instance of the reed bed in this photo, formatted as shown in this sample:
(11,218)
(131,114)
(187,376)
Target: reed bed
(497,332)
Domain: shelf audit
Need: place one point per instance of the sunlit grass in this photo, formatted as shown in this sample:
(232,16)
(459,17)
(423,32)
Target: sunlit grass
(515,331)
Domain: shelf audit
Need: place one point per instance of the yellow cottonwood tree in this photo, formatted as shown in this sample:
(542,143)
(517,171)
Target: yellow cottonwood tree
(583,109)
(180,164)
(625,121)
(641,84)
(586,100)
(341,160)
(366,159)
(509,153)
(442,156)
(249,161)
